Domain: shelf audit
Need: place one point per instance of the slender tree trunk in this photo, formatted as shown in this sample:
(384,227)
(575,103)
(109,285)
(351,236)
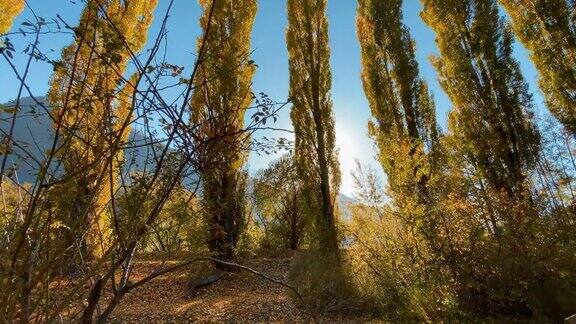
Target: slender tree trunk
(330,241)
(294,229)
(329,236)
(93,300)
(223,236)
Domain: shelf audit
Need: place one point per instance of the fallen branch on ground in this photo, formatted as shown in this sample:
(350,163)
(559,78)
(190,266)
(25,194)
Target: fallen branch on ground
(205,281)
(165,270)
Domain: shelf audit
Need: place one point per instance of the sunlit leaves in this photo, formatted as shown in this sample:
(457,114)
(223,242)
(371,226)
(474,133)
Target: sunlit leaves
(92,105)
(404,117)
(492,115)
(312,116)
(547,29)
(9,9)
(221,99)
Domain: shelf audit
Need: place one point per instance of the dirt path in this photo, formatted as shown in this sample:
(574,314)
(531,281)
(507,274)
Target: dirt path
(238,297)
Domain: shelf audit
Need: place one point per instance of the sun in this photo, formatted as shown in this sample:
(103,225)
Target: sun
(349,148)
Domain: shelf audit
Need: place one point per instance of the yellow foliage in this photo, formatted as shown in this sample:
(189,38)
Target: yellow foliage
(492,113)
(13,200)
(393,267)
(10,9)
(90,108)
(312,117)
(547,29)
(404,117)
(218,108)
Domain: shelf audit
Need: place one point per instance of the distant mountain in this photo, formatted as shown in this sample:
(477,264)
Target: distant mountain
(33,135)
(343,203)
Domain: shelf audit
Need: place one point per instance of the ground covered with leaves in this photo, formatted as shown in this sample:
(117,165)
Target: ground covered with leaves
(237,297)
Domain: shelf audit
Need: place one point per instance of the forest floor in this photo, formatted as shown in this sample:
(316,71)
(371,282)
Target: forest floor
(239,297)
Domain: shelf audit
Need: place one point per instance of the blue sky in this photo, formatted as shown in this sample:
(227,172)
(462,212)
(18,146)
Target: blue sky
(350,106)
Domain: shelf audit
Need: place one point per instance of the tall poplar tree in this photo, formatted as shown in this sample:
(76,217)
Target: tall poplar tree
(10,9)
(224,92)
(312,117)
(404,125)
(91,110)
(492,112)
(547,28)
